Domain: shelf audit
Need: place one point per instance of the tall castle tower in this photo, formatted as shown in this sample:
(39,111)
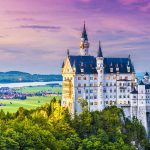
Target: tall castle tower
(84,44)
(100,71)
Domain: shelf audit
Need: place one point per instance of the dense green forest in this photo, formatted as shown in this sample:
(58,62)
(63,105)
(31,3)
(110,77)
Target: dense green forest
(17,76)
(51,127)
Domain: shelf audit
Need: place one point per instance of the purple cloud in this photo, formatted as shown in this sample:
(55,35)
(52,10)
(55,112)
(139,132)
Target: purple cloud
(41,27)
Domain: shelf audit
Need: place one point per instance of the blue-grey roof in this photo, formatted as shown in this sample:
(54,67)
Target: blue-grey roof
(120,62)
(99,54)
(141,83)
(88,63)
(146,74)
(134,91)
(147,86)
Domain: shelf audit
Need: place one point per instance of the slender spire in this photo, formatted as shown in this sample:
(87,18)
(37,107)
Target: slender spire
(84,34)
(99,54)
(68,53)
(63,64)
(129,57)
(146,74)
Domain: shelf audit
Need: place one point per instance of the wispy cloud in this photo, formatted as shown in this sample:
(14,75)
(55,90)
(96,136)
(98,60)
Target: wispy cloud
(41,27)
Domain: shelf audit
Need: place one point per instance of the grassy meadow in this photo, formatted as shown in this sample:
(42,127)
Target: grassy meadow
(29,103)
(36,89)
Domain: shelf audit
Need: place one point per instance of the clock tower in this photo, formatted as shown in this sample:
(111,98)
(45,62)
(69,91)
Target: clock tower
(84,44)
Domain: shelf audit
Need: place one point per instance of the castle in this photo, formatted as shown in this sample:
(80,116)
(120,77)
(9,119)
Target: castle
(103,82)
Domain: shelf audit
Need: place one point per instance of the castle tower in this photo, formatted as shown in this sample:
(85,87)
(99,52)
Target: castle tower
(146,78)
(142,104)
(100,71)
(84,44)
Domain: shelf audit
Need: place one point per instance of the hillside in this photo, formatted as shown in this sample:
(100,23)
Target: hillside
(17,76)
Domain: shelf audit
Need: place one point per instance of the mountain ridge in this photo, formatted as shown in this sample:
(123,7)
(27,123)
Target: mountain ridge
(18,76)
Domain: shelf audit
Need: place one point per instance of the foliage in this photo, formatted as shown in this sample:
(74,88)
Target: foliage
(51,127)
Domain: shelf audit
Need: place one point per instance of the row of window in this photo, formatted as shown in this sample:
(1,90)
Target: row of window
(147,91)
(107,84)
(87,91)
(85,78)
(85,85)
(91,97)
(114,77)
(120,96)
(120,84)
(67,78)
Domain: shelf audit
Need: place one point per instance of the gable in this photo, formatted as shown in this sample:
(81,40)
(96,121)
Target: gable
(67,68)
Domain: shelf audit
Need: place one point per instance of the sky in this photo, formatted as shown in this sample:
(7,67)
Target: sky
(35,34)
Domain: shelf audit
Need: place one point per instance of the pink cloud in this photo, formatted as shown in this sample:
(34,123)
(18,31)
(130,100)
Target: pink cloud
(128,2)
(145,8)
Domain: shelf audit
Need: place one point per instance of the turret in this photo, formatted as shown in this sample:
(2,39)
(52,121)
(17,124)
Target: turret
(100,71)
(146,78)
(99,58)
(84,44)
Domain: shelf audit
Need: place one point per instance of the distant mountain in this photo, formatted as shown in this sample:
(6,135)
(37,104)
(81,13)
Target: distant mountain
(17,76)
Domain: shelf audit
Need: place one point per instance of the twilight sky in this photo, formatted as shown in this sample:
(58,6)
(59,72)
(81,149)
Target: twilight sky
(35,34)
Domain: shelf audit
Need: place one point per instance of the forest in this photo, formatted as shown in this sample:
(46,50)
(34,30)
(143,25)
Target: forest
(51,127)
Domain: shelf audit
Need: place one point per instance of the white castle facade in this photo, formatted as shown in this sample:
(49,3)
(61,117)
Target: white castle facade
(104,82)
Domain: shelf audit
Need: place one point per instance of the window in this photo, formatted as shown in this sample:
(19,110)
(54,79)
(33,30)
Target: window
(95,103)
(84,78)
(79,78)
(128,84)
(106,102)
(110,90)
(84,85)
(91,91)
(114,84)
(95,78)
(120,78)
(120,96)
(94,91)
(79,91)
(86,97)
(104,90)
(114,77)
(95,97)
(91,97)
(107,77)
(91,103)
(95,84)
(79,84)
(106,84)
(110,84)
(86,91)
(110,102)
(91,78)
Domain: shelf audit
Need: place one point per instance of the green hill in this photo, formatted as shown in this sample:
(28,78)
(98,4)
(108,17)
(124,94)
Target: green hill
(17,76)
